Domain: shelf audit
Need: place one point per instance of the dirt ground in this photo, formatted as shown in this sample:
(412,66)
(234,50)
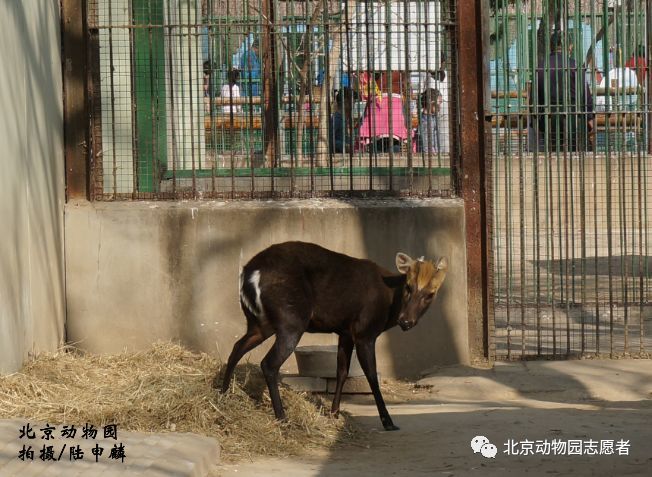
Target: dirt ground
(587,401)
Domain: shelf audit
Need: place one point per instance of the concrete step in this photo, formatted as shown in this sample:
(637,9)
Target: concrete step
(353,385)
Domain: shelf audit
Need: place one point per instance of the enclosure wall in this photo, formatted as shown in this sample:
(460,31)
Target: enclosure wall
(141,272)
(32,302)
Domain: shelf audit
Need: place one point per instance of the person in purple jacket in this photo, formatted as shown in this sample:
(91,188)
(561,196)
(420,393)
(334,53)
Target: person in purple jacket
(563,103)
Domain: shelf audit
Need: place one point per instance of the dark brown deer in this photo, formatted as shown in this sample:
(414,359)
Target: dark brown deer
(294,287)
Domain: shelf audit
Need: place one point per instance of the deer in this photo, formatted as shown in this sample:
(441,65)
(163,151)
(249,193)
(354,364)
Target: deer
(292,288)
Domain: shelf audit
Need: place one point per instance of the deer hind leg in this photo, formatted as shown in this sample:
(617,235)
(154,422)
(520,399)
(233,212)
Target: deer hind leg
(255,335)
(344,352)
(286,342)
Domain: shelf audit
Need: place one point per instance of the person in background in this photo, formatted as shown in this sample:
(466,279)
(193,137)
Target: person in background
(250,66)
(429,134)
(564,113)
(341,122)
(231,91)
(638,63)
(619,76)
(439,80)
(622,82)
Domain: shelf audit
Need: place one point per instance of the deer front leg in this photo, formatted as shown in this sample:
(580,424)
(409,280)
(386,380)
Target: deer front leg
(366,351)
(344,352)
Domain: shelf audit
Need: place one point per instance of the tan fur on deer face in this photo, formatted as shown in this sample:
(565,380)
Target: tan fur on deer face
(423,280)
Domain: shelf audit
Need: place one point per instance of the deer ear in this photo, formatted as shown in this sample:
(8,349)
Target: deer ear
(403,262)
(442,264)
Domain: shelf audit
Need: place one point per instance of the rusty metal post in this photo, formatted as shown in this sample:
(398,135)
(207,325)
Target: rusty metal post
(472,174)
(75,115)
(648,77)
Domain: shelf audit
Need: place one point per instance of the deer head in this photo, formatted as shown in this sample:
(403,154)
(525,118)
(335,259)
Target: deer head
(423,278)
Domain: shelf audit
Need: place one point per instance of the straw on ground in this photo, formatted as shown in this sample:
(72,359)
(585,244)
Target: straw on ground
(168,388)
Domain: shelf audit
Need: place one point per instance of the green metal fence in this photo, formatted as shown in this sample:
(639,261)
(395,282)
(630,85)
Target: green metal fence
(570,100)
(226,98)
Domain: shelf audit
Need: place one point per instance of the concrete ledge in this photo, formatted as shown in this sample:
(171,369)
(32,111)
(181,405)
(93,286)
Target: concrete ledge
(353,385)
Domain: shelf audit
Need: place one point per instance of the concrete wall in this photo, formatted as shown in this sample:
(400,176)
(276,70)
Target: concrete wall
(141,272)
(31,183)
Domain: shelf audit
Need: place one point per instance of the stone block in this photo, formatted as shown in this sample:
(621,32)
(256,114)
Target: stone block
(353,385)
(304,383)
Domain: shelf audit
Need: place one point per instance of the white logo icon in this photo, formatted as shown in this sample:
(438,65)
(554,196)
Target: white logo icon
(481,444)
(477,442)
(489,451)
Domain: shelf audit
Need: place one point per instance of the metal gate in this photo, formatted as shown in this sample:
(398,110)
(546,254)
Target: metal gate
(572,174)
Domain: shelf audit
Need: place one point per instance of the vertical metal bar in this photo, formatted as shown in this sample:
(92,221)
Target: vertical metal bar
(473,168)
(570,142)
(173,108)
(250,130)
(502,124)
(408,94)
(153,104)
(426,35)
(596,251)
(609,188)
(112,86)
(95,173)
(622,192)
(209,20)
(290,131)
(648,76)
(349,38)
(270,86)
(77,136)
(647,108)
(521,180)
(370,64)
(191,115)
(388,73)
(583,213)
(534,92)
(311,101)
(326,89)
(132,91)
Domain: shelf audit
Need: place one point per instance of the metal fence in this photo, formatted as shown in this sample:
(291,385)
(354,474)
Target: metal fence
(270,98)
(225,98)
(572,174)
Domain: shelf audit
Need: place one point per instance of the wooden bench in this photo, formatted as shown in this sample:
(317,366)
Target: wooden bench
(223,121)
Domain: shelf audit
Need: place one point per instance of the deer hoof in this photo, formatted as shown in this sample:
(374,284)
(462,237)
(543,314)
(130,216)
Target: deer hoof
(392,427)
